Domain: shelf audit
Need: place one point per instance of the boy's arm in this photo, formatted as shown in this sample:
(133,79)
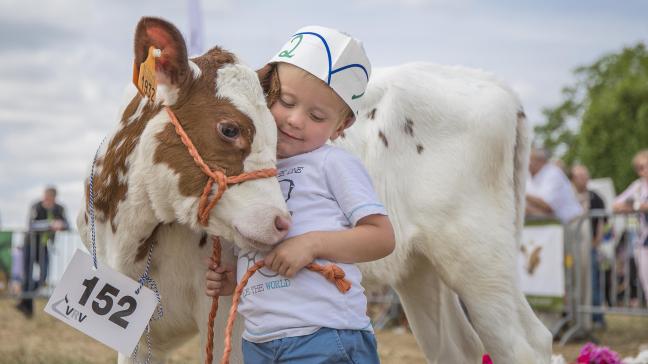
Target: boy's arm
(372,238)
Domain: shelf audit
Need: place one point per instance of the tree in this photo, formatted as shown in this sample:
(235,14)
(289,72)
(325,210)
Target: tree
(603,119)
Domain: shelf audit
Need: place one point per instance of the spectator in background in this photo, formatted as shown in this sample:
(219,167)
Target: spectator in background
(635,200)
(46,217)
(548,189)
(591,200)
(549,194)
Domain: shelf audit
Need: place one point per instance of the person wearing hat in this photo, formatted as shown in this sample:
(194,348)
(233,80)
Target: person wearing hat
(313,85)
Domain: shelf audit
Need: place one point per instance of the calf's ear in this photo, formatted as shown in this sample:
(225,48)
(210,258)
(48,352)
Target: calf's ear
(172,66)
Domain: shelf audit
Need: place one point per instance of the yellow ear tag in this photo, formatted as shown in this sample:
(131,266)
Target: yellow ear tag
(144,78)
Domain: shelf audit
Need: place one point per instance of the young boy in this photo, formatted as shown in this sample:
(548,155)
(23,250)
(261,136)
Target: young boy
(292,314)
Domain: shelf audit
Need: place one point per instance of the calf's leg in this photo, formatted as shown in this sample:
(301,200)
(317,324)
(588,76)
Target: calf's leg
(437,321)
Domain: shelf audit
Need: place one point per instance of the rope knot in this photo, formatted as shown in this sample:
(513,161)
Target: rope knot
(333,274)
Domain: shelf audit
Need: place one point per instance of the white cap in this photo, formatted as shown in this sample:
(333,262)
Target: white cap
(332,56)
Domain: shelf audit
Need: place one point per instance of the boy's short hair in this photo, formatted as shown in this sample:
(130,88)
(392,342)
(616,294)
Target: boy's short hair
(272,88)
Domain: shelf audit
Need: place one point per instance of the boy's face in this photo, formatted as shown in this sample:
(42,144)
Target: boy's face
(307,113)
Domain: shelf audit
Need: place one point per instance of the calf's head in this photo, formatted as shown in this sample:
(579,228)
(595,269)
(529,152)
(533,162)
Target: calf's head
(221,107)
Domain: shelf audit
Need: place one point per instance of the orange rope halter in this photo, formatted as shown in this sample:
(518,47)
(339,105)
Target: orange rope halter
(331,272)
(205,206)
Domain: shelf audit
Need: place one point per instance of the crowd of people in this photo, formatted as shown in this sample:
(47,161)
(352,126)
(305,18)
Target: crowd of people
(565,196)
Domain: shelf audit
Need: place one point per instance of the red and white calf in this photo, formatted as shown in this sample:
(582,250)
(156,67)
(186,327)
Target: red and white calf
(147,186)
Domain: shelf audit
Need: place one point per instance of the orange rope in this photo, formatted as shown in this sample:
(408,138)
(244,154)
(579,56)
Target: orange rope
(204,205)
(331,272)
(216,257)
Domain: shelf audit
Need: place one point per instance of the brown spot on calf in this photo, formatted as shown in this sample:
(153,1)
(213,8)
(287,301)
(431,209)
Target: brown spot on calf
(382,136)
(409,127)
(372,114)
(419,148)
(203,240)
(146,243)
(199,118)
(109,188)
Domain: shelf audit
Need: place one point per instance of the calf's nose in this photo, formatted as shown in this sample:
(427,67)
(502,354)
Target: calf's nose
(282,225)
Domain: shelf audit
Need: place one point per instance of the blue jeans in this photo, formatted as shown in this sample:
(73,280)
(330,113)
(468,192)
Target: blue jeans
(323,346)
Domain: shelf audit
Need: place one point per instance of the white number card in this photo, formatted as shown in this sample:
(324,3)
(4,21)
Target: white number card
(102,303)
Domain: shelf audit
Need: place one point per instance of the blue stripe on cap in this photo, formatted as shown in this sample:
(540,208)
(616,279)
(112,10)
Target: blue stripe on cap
(328,53)
(351,66)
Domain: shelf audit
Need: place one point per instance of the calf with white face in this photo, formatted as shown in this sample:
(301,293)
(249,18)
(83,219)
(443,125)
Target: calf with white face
(147,186)
(447,149)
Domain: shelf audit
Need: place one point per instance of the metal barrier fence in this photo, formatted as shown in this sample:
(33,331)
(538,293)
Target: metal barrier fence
(605,279)
(38,254)
(602,281)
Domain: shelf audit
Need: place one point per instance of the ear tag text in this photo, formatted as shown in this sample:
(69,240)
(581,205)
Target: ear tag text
(144,76)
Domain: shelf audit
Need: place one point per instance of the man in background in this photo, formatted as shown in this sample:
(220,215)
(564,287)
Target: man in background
(549,195)
(46,217)
(549,192)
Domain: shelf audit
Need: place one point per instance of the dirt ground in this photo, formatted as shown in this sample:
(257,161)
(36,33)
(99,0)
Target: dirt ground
(44,339)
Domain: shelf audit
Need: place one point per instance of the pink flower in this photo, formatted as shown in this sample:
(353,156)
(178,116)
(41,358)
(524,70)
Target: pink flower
(486,359)
(585,353)
(592,354)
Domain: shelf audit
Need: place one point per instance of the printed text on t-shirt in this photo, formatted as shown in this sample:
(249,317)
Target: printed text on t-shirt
(285,172)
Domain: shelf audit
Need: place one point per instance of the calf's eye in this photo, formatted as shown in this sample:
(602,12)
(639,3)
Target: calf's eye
(228,130)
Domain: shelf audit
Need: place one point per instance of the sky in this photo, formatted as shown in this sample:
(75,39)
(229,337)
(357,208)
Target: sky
(65,64)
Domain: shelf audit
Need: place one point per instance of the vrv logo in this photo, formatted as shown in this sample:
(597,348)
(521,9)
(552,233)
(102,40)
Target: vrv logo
(70,312)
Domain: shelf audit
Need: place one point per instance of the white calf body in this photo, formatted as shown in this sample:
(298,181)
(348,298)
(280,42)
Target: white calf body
(447,150)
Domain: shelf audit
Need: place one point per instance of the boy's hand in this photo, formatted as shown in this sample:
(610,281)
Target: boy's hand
(219,280)
(293,254)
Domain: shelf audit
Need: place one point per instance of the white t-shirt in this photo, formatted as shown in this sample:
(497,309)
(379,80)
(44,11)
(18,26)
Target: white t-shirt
(551,185)
(327,189)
